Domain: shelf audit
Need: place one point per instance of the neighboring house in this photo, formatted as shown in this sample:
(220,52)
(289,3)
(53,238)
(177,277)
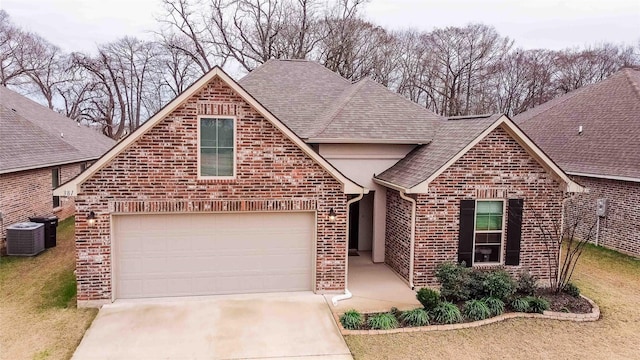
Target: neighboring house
(265,184)
(593,133)
(39,150)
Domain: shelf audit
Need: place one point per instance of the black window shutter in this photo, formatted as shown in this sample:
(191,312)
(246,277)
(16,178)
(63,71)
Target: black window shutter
(465,233)
(514,231)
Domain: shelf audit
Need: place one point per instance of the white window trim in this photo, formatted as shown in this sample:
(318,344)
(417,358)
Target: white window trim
(502,238)
(235,147)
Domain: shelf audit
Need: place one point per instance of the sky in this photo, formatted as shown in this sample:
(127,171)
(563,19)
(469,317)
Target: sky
(78,25)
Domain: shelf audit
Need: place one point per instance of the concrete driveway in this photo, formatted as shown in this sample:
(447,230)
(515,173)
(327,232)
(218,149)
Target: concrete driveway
(257,326)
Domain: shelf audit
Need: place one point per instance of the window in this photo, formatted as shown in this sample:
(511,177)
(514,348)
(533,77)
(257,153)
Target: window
(488,231)
(83,166)
(481,231)
(217,147)
(55,182)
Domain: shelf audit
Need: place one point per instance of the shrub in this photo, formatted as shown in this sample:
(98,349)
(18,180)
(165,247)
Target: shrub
(476,285)
(352,320)
(446,313)
(498,284)
(495,305)
(415,317)
(538,304)
(395,312)
(455,280)
(520,304)
(526,284)
(476,310)
(571,289)
(429,298)
(383,321)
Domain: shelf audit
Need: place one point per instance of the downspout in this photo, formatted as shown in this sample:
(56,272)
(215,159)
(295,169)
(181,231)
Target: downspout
(347,294)
(412,240)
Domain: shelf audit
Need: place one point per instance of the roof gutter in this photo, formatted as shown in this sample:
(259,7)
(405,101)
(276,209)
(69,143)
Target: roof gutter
(391,185)
(610,177)
(8,171)
(366,141)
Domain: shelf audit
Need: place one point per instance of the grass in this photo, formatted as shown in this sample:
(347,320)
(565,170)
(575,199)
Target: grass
(608,277)
(39,319)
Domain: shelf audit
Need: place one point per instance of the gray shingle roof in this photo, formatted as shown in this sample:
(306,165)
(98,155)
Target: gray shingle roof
(31,136)
(609,113)
(451,137)
(295,91)
(371,111)
(317,103)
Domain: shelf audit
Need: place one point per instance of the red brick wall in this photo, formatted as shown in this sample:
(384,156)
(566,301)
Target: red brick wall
(398,233)
(496,168)
(28,193)
(620,229)
(160,170)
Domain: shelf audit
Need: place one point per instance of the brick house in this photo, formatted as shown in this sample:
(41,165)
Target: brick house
(266,185)
(40,149)
(592,133)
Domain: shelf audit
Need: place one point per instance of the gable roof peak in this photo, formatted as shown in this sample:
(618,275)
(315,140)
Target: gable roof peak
(72,187)
(419,168)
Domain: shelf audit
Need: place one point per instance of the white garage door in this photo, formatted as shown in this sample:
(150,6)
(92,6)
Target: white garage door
(206,254)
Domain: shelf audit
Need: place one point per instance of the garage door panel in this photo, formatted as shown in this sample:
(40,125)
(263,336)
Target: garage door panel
(202,254)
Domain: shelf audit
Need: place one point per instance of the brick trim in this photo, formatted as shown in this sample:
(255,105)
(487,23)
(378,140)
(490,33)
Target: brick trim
(214,108)
(491,193)
(173,206)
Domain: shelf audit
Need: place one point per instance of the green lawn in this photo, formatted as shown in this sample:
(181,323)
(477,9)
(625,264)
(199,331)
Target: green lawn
(609,278)
(39,318)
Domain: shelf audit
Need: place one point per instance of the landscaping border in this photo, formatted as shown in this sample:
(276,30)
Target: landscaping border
(594,315)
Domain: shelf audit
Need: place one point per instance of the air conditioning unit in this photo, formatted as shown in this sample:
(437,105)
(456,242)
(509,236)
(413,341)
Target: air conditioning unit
(25,239)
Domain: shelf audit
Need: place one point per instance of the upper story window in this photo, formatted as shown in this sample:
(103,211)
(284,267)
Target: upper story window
(488,231)
(217,147)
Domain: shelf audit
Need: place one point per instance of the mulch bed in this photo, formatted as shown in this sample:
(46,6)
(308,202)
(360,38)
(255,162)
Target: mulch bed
(563,302)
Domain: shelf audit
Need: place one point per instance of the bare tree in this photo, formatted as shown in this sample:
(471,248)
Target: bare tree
(44,66)
(522,80)
(79,92)
(248,29)
(452,71)
(12,52)
(563,234)
(577,68)
(120,76)
(301,30)
(346,45)
(455,66)
(177,69)
(188,28)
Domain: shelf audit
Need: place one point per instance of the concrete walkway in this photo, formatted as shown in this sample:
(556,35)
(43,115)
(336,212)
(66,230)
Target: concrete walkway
(257,326)
(375,287)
